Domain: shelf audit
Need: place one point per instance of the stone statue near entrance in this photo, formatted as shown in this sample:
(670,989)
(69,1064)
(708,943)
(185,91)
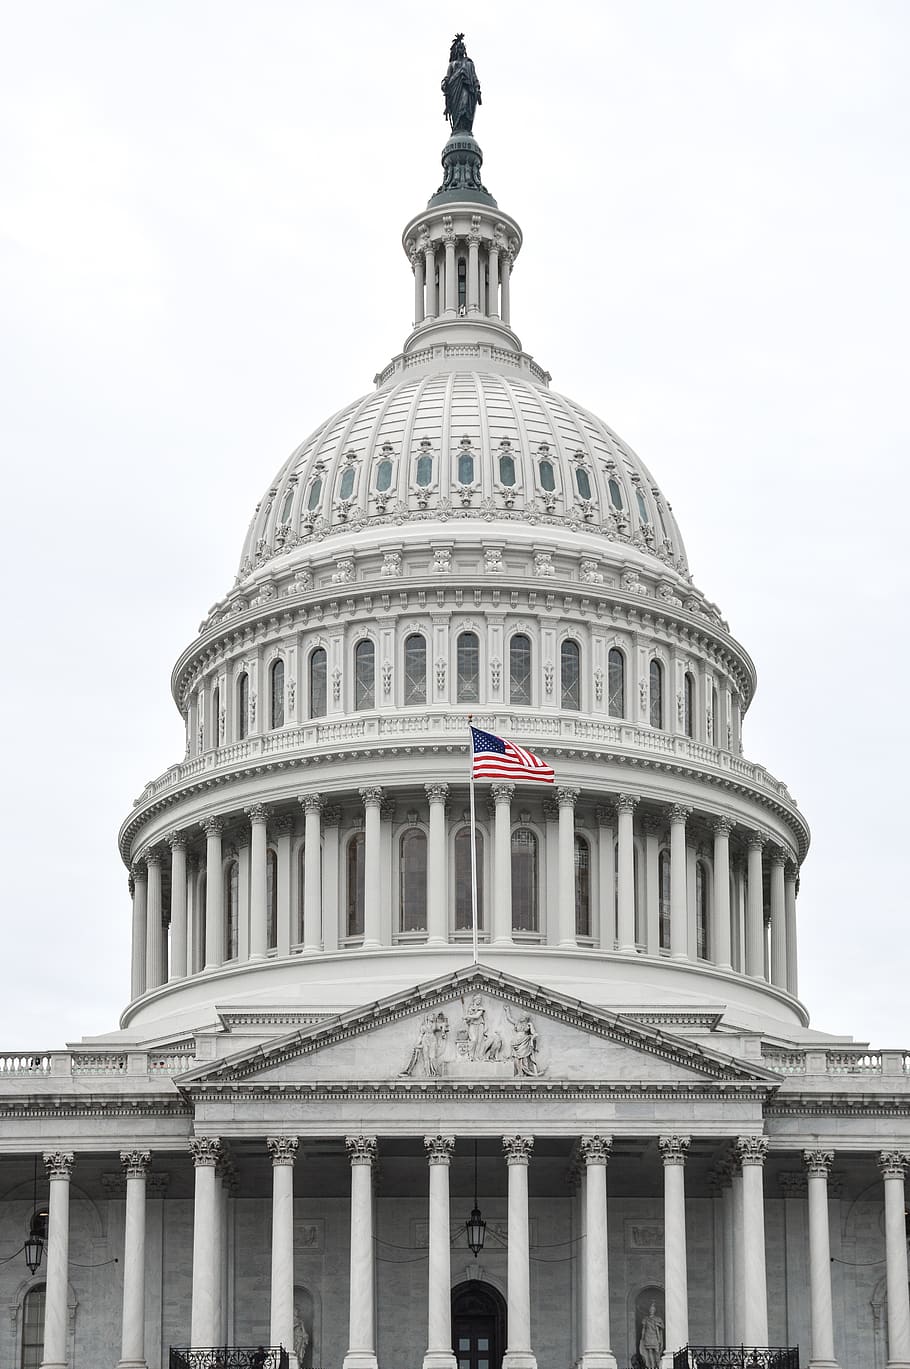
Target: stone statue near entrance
(461,88)
(651,1344)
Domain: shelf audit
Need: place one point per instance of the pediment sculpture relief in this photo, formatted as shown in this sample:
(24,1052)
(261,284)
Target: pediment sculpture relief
(488,1040)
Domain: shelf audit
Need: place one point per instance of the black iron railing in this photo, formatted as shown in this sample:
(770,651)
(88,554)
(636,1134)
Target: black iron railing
(228,1357)
(736,1357)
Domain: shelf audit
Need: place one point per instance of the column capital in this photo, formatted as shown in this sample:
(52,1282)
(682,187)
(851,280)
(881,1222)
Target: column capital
(722,827)
(212,827)
(777,855)
(257,812)
(176,840)
(439,1149)
(502,793)
(283,1149)
(679,813)
(893,1163)
(58,1163)
(206,1151)
(626,803)
(362,1149)
(818,1161)
(752,1149)
(135,1163)
(437,793)
(371,795)
(791,870)
(331,815)
(756,841)
(137,868)
(517,1149)
(311,803)
(567,795)
(596,1149)
(673,1149)
(153,857)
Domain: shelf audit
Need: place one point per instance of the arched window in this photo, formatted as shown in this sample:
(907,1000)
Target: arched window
(547,476)
(462,285)
(520,669)
(689,704)
(663,899)
(524,880)
(355,885)
(412,881)
(615,493)
(286,506)
(276,694)
(315,494)
(714,707)
(346,485)
(271,898)
(318,682)
(466,466)
(642,507)
(701,910)
(582,887)
(583,482)
(423,475)
(33,1327)
(364,674)
(467,652)
(506,467)
(231,909)
(415,669)
(656,693)
(243,705)
(570,675)
(215,728)
(383,475)
(616,683)
(463,878)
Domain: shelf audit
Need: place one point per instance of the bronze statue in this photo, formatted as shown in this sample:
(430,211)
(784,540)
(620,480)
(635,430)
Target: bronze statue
(461,88)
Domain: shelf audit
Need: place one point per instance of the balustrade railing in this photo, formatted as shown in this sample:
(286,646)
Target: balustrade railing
(228,1357)
(736,1357)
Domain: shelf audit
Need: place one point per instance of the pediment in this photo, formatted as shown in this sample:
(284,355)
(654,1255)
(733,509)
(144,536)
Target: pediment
(477,1027)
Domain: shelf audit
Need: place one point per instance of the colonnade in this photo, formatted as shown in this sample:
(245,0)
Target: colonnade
(487,276)
(742,1258)
(630,916)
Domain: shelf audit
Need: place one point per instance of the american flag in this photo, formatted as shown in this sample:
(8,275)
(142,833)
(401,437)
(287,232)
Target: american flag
(495,759)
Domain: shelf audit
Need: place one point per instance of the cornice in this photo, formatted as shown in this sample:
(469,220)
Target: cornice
(865,1104)
(441,1091)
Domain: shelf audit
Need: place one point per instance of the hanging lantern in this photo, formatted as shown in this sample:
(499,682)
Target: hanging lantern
(34,1246)
(475,1226)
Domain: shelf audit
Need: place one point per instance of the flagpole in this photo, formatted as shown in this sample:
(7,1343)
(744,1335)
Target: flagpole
(473,849)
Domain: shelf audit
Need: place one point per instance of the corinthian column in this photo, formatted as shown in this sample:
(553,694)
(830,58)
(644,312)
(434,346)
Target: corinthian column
(362,1321)
(502,864)
(132,1343)
(437,884)
(312,872)
(59,1166)
(778,920)
(755,915)
(372,866)
(177,842)
(259,912)
(625,808)
(139,886)
(283,1150)
(206,1152)
(676,1275)
(153,969)
(439,1301)
(519,1354)
(722,938)
(214,902)
(893,1165)
(596,1350)
(566,798)
(791,879)
(818,1164)
(679,913)
(752,1151)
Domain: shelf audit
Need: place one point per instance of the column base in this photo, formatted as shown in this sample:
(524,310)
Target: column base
(825,1364)
(598,1359)
(519,1359)
(360,1359)
(131,1364)
(439,1359)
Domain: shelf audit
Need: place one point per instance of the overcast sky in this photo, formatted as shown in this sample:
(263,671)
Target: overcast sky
(200,217)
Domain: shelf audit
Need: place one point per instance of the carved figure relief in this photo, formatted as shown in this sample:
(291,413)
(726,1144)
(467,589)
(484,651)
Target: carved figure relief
(442,561)
(492,561)
(391,563)
(543,564)
(429,1049)
(491,1039)
(590,574)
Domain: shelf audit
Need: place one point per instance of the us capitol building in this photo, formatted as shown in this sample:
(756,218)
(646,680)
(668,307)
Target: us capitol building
(321,1126)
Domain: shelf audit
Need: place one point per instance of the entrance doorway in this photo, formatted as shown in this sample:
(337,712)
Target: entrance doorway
(478,1326)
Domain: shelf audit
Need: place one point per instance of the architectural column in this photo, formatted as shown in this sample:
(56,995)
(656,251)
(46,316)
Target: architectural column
(727,1206)
(362,1335)
(791,883)
(625,809)
(566,798)
(739,1289)
(519,1354)
(59,1166)
(153,967)
(893,1165)
(679,912)
(451,273)
(721,909)
(430,265)
(132,1342)
(204,1331)
(417,264)
(502,864)
(177,842)
(752,1151)
(506,305)
(606,881)
(778,920)
(596,1351)
(282,835)
(372,871)
(439,1294)
(755,913)
(474,266)
(214,896)
(653,830)
(283,1150)
(139,887)
(676,1277)
(259,909)
(818,1164)
(437,874)
(493,311)
(312,872)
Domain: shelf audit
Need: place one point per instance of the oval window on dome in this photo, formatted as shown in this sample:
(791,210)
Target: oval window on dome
(424,473)
(615,493)
(346,488)
(466,467)
(547,476)
(383,475)
(583,482)
(507,469)
(315,494)
(285,515)
(642,507)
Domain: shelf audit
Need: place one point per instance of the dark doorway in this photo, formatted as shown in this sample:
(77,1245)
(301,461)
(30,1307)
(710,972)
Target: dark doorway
(478,1326)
